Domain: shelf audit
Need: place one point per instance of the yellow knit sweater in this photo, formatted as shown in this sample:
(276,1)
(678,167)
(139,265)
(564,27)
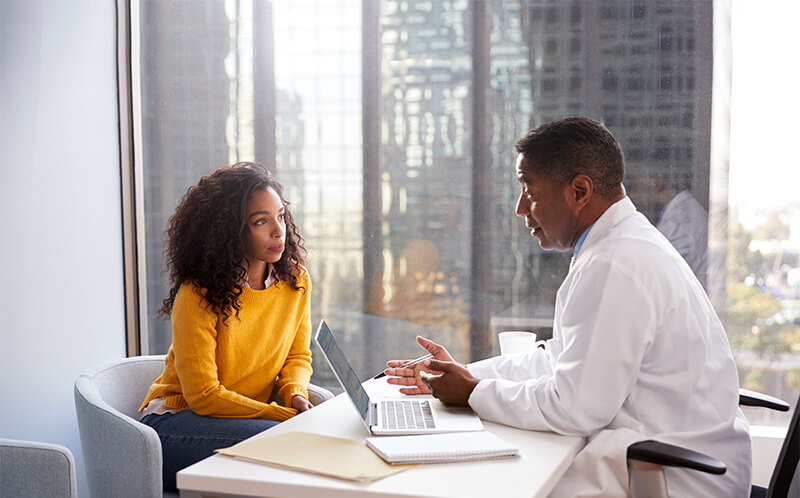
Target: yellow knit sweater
(229,370)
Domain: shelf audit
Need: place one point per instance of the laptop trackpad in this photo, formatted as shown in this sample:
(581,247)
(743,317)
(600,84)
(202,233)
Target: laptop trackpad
(455,418)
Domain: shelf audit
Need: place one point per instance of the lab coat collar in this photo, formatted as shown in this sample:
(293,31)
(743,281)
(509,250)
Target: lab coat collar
(613,215)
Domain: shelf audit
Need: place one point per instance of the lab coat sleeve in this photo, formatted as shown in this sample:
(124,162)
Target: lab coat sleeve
(518,367)
(606,326)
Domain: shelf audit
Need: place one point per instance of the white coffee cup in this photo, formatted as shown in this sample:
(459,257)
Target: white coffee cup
(516,341)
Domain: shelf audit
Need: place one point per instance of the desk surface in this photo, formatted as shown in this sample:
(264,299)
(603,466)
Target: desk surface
(544,457)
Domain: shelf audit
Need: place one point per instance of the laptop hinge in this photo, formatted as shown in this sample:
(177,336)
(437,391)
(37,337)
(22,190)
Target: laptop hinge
(372,414)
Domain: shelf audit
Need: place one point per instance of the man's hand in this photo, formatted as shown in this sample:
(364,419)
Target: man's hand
(301,404)
(410,376)
(454,385)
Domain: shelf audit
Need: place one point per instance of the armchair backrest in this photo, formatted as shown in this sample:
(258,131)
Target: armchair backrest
(31,469)
(122,456)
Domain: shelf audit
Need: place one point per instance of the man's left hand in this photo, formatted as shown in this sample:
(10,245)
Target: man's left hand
(455,384)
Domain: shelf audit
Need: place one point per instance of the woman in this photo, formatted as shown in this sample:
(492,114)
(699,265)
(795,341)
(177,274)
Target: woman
(239,304)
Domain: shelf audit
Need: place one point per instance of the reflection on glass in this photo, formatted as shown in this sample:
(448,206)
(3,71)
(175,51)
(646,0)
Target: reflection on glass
(643,68)
(684,222)
(190,115)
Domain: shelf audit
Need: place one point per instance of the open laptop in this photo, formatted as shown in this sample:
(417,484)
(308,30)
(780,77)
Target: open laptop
(393,416)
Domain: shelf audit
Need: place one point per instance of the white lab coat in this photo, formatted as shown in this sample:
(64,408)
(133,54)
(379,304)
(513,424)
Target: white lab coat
(637,353)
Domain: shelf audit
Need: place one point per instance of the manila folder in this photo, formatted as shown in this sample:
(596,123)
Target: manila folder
(315,453)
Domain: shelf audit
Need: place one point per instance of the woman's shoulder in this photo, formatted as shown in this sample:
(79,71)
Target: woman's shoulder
(190,294)
(302,272)
(191,288)
(303,277)
(191,304)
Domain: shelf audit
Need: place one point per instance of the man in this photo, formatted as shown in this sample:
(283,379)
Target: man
(637,350)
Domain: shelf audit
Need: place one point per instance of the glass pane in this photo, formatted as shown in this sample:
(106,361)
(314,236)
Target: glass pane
(283,83)
(194,111)
(763,271)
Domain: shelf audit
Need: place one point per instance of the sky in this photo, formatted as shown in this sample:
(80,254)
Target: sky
(764,157)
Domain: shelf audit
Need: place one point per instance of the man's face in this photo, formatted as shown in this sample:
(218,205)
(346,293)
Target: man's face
(546,208)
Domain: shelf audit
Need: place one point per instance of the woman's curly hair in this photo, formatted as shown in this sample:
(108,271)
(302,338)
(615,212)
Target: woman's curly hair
(208,238)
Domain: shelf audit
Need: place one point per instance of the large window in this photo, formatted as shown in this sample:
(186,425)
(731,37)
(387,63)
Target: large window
(402,181)
(763,266)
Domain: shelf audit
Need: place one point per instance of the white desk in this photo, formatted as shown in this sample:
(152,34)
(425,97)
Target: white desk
(544,457)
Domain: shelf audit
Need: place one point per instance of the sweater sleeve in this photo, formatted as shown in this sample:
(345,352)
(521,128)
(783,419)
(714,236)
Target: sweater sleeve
(295,374)
(194,336)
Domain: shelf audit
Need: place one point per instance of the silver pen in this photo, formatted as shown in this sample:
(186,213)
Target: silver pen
(406,365)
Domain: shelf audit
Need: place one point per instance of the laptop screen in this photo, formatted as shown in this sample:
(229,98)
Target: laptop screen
(342,369)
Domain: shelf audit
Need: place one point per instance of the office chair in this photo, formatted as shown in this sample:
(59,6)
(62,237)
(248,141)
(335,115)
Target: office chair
(31,469)
(785,480)
(122,456)
(646,459)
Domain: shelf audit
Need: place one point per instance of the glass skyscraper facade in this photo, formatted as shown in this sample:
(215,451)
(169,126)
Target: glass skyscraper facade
(392,125)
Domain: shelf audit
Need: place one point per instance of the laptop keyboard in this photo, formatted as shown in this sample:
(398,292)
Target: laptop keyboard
(407,414)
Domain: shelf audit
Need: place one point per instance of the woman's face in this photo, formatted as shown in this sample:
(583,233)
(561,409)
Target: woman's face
(265,218)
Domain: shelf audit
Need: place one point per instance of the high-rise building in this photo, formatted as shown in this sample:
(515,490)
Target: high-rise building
(425,82)
(644,69)
(203,79)
(641,67)
(186,106)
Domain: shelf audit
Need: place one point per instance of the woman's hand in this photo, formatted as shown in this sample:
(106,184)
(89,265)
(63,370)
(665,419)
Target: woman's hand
(410,376)
(301,404)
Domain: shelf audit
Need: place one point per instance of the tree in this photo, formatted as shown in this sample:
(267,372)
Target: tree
(741,260)
(772,229)
(748,310)
(751,312)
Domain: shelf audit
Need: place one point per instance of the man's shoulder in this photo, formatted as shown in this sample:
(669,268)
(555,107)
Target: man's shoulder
(633,234)
(636,246)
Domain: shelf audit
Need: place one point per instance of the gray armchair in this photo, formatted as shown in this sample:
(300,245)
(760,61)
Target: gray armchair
(122,456)
(31,469)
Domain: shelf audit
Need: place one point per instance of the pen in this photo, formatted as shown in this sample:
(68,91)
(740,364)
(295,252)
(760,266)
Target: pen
(406,365)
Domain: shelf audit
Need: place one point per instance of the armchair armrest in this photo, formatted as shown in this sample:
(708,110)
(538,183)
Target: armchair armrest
(674,456)
(317,394)
(753,398)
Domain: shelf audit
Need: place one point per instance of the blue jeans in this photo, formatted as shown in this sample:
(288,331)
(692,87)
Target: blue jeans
(187,438)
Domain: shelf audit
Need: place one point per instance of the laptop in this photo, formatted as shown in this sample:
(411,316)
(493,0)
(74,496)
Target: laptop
(393,416)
